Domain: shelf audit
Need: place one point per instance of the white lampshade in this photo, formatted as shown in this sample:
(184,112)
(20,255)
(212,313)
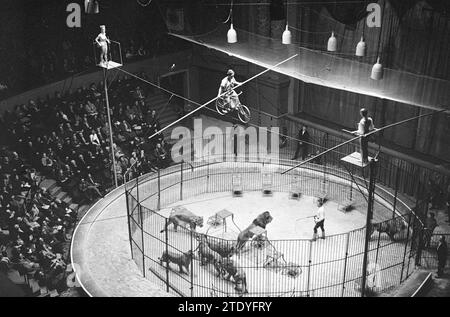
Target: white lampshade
(232,35)
(332,43)
(287,36)
(361,48)
(377,71)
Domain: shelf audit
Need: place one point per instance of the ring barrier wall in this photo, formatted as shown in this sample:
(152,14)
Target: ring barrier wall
(274,267)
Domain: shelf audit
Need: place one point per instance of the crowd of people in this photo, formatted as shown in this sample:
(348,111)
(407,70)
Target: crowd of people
(57,53)
(65,137)
(47,66)
(34,225)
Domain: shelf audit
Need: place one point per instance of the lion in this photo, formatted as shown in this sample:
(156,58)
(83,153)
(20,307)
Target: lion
(182,259)
(261,221)
(205,254)
(225,248)
(229,269)
(182,215)
(393,228)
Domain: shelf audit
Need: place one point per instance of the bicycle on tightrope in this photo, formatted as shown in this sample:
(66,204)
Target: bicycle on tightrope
(230,103)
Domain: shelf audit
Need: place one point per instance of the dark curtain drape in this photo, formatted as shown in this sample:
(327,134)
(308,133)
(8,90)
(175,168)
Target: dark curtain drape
(415,38)
(277,10)
(401,7)
(347,13)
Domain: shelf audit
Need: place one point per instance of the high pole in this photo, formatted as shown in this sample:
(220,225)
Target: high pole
(370,203)
(111,142)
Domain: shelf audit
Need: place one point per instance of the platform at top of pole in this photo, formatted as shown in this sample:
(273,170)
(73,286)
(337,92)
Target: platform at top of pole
(109,65)
(355,159)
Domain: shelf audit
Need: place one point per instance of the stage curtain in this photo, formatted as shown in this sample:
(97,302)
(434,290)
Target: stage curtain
(347,13)
(416,41)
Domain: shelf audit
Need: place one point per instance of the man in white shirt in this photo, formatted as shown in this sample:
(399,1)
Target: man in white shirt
(319,219)
(227,85)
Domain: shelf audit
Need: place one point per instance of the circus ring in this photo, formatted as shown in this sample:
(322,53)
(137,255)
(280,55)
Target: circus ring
(286,264)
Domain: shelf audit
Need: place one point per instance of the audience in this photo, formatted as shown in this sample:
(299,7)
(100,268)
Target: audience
(47,61)
(33,224)
(66,138)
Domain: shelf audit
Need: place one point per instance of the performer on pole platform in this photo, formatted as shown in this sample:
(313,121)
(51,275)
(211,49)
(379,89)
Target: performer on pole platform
(102,42)
(364,126)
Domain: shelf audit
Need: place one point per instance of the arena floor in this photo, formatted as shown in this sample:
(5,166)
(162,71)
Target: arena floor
(290,222)
(290,216)
(101,252)
(101,249)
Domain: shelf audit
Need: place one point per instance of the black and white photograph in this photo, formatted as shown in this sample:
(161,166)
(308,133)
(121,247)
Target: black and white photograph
(224,154)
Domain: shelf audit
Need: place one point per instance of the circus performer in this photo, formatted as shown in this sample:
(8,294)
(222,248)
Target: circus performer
(227,86)
(364,126)
(319,219)
(102,42)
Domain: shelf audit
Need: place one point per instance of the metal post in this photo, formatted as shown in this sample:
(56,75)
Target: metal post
(158,207)
(404,253)
(128,221)
(325,165)
(142,231)
(410,246)
(207,177)
(351,190)
(167,252)
(111,141)
(422,209)
(309,268)
(137,190)
(181,182)
(397,178)
(345,263)
(192,268)
(419,247)
(378,247)
(372,166)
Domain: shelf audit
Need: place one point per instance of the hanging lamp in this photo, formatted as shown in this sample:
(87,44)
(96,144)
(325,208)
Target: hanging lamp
(332,43)
(286,38)
(377,71)
(361,48)
(231,35)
